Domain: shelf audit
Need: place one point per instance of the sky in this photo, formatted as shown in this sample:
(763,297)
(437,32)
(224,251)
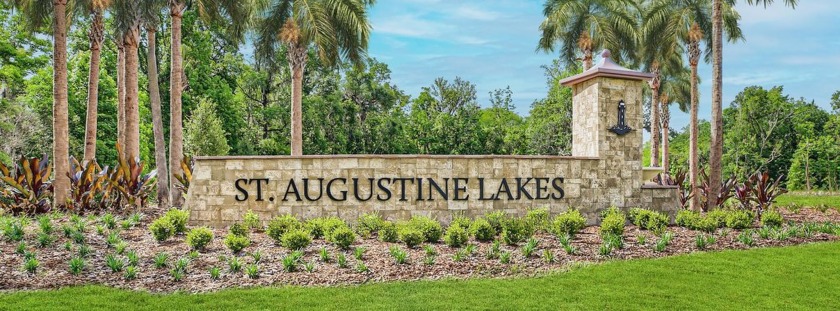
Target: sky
(492,43)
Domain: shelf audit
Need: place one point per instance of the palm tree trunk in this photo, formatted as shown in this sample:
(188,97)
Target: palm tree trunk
(297,62)
(587,59)
(121,92)
(96,35)
(157,120)
(61,135)
(132,101)
(666,123)
(176,129)
(654,117)
(693,165)
(716,154)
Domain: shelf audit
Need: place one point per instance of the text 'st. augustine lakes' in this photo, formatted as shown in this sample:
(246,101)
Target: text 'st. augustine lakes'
(399,188)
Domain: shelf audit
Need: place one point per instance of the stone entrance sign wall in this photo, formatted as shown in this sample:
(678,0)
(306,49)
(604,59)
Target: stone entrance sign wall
(605,170)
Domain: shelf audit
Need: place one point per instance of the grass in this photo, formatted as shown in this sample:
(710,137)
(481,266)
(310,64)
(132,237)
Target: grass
(787,278)
(830,199)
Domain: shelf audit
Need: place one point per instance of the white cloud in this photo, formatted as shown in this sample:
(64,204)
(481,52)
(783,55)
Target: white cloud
(474,13)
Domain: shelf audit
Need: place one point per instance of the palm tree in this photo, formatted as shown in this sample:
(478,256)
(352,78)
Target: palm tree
(128,19)
(151,20)
(588,25)
(235,12)
(668,24)
(96,34)
(39,13)
(334,29)
(676,88)
(716,153)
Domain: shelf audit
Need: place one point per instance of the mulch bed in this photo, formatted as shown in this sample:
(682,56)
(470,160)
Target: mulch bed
(54,260)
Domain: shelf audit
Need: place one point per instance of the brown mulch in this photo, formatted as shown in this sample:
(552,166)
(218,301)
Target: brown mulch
(53,271)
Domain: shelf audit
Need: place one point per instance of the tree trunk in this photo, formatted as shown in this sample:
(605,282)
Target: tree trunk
(132,100)
(716,154)
(654,118)
(693,165)
(297,62)
(121,92)
(157,121)
(587,59)
(666,123)
(807,165)
(96,35)
(176,130)
(61,135)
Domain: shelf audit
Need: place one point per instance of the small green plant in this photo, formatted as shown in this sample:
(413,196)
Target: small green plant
(456,236)
(529,248)
(121,247)
(278,226)
(77,265)
(21,248)
(234,265)
(132,258)
(461,220)
(342,237)
(688,219)
(253,270)
(181,264)
(215,273)
(100,230)
(45,239)
(482,230)
(616,241)
(13,230)
(324,255)
(359,252)
(771,218)
(548,256)
(494,250)
(177,275)
(193,255)
(641,239)
(411,236)
(45,224)
(430,250)
(496,219)
(236,243)
(703,241)
(309,266)
(252,221)
(568,223)
(68,246)
(84,250)
(291,261)
(505,257)
(162,229)
(31,265)
(257,256)
(296,239)
(459,255)
(160,260)
(109,221)
(342,261)
(199,238)
(361,267)
(660,245)
(400,256)
(78,237)
(115,263)
(113,239)
(745,237)
(388,232)
(130,273)
(429,260)
(239,229)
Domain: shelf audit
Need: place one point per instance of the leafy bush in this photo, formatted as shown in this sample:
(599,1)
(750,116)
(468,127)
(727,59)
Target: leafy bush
(718,216)
(27,187)
(252,221)
(461,220)
(237,242)
(771,219)
(388,232)
(497,219)
(238,229)
(516,230)
(538,218)
(482,230)
(280,225)
(323,226)
(162,229)
(707,224)
(739,219)
(296,239)
(369,223)
(568,223)
(688,219)
(342,237)
(178,218)
(410,236)
(613,223)
(198,238)
(432,230)
(456,236)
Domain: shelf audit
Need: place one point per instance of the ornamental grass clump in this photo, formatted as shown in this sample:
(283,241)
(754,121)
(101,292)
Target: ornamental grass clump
(199,238)
(568,223)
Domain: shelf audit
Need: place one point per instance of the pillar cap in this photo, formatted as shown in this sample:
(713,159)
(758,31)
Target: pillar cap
(606,68)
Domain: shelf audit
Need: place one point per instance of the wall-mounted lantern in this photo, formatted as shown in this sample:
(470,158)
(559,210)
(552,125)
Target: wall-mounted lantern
(621,128)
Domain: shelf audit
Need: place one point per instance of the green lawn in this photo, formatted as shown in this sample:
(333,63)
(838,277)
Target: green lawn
(810,199)
(800,277)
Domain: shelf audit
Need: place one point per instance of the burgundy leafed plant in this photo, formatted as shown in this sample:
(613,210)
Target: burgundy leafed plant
(678,180)
(765,190)
(726,189)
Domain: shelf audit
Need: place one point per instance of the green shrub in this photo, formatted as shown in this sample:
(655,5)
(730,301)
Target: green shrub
(178,218)
(516,230)
(706,224)
(568,223)
(296,239)
(739,219)
(410,236)
(238,229)
(718,216)
(538,218)
(280,225)
(482,230)
(324,226)
(432,230)
(388,232)
(612,224)
(162,229)
(198,238)
(456,236)
(342,237)
(252,221)
(369,223)
(237,242)
(497,220)
(771,219)
(656,222)
(638,216)
(688,219)
(461,220)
